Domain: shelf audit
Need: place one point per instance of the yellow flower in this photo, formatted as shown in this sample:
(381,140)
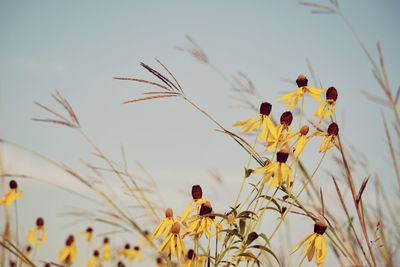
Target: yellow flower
(69,252)
(94,261)
(160,262)
(293,97)
(203,222)
(37,234)
(316,244)
(106,249)
(194,206)
(164,227)
(136,254)
(146,241)
(191,260)
(302,140)
(279,170)
(11,195)
(261,120)
(327,108)
(173,245)
(330,137)
(28,251)
(89,235)
(280,135)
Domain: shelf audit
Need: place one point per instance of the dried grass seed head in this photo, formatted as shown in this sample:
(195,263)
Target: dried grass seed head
(265,108)
(197,192)
(286,118)
(301,80)
(331,94)
(333,129)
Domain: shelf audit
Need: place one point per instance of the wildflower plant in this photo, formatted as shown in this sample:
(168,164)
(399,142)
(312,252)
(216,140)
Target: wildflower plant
(276,186)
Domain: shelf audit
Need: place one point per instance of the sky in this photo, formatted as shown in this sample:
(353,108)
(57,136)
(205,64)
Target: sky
(77,48)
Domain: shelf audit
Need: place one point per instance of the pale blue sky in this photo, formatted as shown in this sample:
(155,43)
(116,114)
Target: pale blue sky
(77,47)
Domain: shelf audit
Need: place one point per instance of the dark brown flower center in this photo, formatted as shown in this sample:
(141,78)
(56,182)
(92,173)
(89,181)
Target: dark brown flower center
(190,254)
(39,222)
(282,156)
(89,230)
(69,240)
(205,208)
(265,108)
(127,246)
(169,213)
(137,248)
(286,118)
(333,129)
(331,94)
(176,228)
(13,184)
(96,253)
(106,240)
(301,80)
(304,130)
(197,192)
(159,260)
(320,227)
(120,264)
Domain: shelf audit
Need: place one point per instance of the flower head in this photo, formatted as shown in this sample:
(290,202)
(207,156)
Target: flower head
(89,234)
(280,135)
(303,88)
(12,195)
(279,170)
(164,227)
(316,244)
(330,137)
(94,260)
(327,107)
(69,252)
(203,222)
(193,206)
(173,245)
(105,248)
(37,234)
(261,120)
